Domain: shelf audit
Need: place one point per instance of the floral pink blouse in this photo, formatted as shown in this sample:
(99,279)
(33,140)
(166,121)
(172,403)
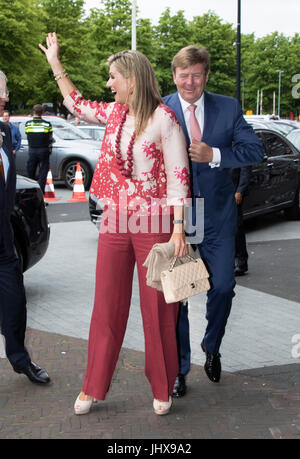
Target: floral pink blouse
(160,175)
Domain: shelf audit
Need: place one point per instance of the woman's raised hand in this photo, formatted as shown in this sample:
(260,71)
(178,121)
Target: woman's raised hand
(52,49)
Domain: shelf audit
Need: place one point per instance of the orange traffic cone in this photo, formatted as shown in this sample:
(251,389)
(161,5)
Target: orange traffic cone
(49,194)
(78,189)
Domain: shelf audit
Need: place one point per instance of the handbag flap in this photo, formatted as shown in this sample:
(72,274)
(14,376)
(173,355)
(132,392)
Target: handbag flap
(192,271)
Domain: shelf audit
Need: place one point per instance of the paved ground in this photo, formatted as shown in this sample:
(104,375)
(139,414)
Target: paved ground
(259,393)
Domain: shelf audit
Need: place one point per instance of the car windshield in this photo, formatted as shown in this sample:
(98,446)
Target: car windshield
(61,129)
(96,133)
(66,131)
(294,138)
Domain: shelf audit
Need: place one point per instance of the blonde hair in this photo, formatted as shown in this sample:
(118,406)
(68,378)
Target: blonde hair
(146,96)
(191,55)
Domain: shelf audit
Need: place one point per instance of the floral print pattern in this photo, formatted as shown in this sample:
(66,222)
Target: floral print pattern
(160,175)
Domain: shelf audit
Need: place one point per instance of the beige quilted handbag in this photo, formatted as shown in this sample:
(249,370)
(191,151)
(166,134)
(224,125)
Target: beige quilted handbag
(185,280)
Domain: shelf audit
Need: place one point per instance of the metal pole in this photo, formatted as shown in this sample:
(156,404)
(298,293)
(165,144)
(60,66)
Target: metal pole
(238,52)
(279,88)
(133,25)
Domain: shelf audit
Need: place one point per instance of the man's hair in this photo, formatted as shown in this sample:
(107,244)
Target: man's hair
(6,111)
(191,55)
(38,109)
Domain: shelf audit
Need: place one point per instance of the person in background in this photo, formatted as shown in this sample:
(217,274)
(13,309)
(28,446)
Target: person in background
(241,178)
(39,135)
(16,137)
(12,293)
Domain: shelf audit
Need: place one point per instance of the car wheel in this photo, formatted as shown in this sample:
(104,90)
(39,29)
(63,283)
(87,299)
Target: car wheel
(293,213)
(69,174)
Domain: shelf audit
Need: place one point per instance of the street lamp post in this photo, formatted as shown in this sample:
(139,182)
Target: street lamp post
(133,25)
(279,88)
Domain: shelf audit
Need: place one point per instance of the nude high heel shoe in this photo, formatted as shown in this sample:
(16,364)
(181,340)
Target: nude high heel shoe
(162,407)
(83,406)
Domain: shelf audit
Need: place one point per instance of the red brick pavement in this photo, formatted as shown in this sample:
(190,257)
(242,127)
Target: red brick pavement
(261,403)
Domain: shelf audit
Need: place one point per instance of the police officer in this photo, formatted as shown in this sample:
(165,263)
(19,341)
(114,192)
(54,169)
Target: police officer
(39,135)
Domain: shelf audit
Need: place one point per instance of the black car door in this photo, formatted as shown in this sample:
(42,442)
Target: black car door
(284,174)
(273,181)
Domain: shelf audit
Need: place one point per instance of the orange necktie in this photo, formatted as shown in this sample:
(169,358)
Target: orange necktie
(195,130)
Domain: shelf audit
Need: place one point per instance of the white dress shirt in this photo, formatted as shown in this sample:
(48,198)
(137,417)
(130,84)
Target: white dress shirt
(5,162)
(199,113)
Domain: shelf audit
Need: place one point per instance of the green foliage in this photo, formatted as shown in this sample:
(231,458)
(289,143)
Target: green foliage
(87,41)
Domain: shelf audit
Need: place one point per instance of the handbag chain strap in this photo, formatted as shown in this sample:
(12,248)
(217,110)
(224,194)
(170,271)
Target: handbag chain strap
(173,262)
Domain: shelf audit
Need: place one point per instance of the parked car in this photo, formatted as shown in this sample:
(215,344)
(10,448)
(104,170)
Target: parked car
(294,137)
(30,223)
(286,126)
(70,146)
(94,131)
(274,183)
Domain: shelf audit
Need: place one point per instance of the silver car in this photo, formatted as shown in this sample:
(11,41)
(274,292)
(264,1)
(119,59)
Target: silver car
(70,146)
(95,131)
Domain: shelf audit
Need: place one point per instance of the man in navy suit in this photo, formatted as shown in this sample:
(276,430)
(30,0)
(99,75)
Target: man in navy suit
(12,293)
(226,141)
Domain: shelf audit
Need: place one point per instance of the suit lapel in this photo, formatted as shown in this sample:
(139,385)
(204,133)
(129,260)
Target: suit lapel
(175,104)
(210,116)
(11,165)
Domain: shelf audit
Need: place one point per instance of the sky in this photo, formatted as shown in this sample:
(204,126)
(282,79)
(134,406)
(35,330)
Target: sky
(260,17)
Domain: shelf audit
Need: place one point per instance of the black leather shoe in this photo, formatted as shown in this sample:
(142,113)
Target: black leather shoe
(240,270)
(212,365)
(179,389)
(35,374)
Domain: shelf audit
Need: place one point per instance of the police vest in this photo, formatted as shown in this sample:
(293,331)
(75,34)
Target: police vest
(38,132)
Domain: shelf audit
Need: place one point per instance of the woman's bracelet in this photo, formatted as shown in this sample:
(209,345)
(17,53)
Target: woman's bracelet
(59,73)
(58,77)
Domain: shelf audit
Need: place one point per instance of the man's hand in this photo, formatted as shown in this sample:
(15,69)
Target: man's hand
(200,152)
(238,198)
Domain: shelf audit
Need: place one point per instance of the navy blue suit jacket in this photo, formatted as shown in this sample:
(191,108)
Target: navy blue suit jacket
(226,129)
(7,192)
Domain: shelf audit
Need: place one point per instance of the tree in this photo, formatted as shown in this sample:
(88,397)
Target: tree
(263,57)
(171,34)
(21,28)
(66,18)
(219,40)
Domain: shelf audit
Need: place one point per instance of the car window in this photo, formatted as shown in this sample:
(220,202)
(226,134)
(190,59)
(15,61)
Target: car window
(95,133)
(62,130)
(274,145)
(99,134)
(68,132)
(22,129)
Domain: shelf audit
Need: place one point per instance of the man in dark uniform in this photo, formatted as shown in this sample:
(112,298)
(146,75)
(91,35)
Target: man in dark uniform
(39,135)
(12,292)
(240,177)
